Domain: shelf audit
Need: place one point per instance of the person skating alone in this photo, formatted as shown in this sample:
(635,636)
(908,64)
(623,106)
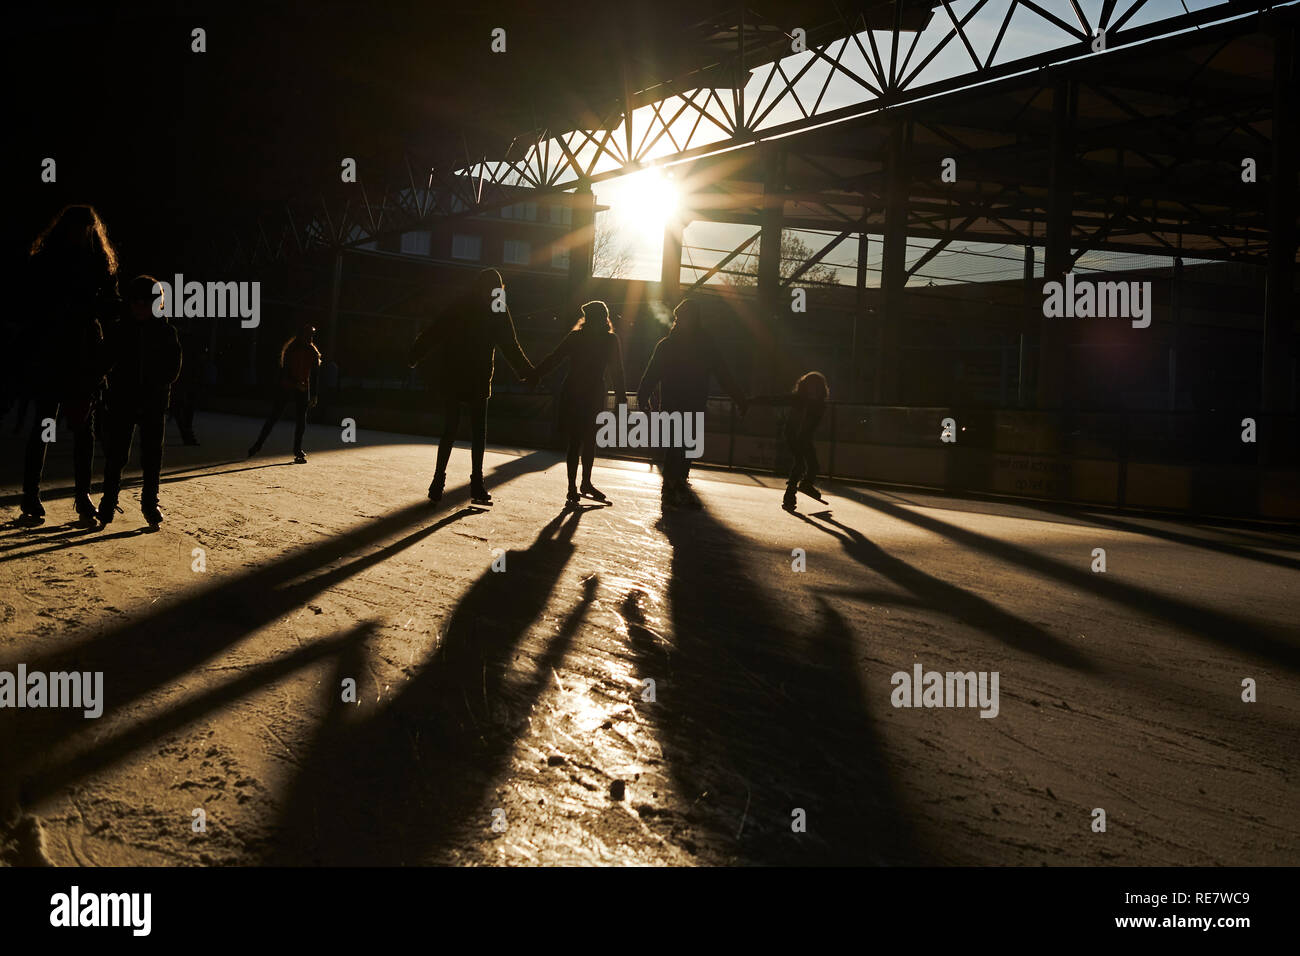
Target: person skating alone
(72,288)
(461,345)
(807,404)
(146,359)
(592,350)
(680,367)
(299,368)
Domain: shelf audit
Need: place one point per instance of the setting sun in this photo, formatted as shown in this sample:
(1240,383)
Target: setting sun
(644,202)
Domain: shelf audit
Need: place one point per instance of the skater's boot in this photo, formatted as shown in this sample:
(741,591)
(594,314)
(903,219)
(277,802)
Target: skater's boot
(151,513)
(33,512)
(85,508)
(591,491)
(299,458)
(573,497)
(809,489)
(477,491)
(437,486)
(254,448)
(107,510)
(789,502)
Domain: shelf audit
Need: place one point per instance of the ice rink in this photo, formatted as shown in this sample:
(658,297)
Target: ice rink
(504,716)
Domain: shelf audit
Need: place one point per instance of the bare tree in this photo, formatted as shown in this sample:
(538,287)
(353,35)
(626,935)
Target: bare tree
(609,257)
(794,253)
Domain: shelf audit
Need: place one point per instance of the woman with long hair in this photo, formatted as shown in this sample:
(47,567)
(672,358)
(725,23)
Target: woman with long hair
(592,349)
(72,278)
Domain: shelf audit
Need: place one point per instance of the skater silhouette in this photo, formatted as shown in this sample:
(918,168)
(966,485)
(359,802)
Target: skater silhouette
(591,349)
(680,366)
(145,352)
(807,403)
(299,368)
(72,280)
(462,343)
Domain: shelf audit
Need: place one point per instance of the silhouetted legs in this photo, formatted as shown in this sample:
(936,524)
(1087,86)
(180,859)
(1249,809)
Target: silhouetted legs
(804,466)
(183,411)
(478,437)
(582,447)
(80,417)
(121,429)
(282,398)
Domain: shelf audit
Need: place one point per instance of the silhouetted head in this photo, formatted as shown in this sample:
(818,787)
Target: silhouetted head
(813,385)
(140,297)
(77,232)
(595,318)
(485,283)
(306,332)
(686,318)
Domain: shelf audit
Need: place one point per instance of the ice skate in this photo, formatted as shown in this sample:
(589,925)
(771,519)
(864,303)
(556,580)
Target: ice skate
(811,490)
(86,514)
(478,493)
(33,512)
(151,514)
(591,491)
(108,509)
(437,487)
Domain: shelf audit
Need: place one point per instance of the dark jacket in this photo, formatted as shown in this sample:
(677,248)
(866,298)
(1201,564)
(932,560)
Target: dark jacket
(461,344)
(63,351)
(589,355)
(146,360)
(681,365)
(300,366)
(806,412)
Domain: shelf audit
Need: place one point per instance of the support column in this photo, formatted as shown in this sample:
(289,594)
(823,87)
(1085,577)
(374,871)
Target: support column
(1276,379)
(774,313)
(1031,300)
(670,271)
(583,239)
(859,314)
(1053,390)
(893,269)
(769,248)
(332,316)
(1175,318)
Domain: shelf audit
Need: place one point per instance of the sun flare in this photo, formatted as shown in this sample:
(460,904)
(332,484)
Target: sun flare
(645,201)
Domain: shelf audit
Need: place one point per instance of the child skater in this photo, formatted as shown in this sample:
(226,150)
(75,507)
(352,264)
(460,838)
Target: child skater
(591,349)
(807,403)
